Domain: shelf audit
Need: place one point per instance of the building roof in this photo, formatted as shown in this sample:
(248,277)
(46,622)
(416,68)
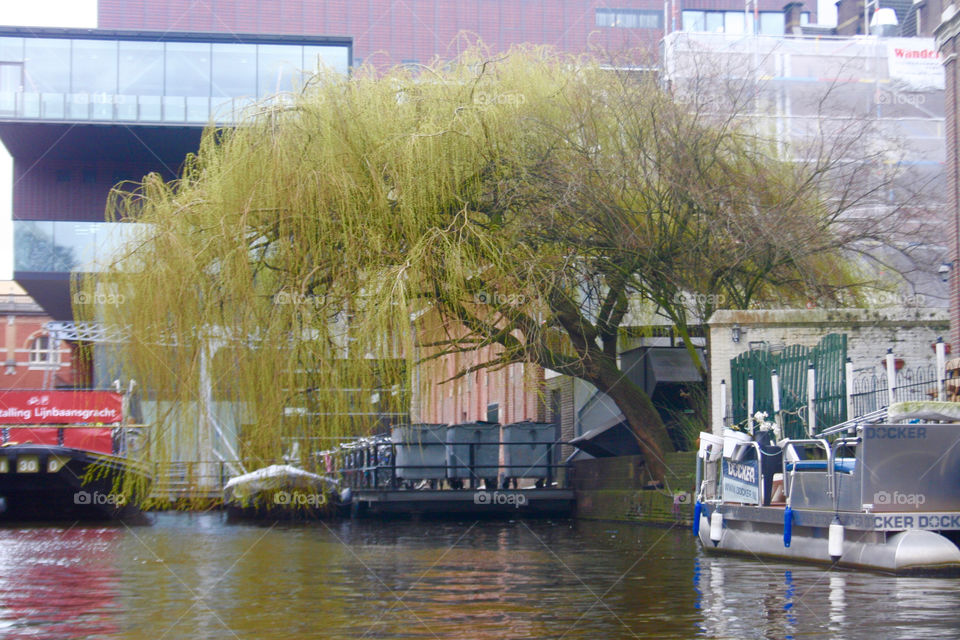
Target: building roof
(903,9)
(15,301)
(171,36)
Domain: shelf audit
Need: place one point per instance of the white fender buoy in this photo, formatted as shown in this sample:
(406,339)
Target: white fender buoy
(835,540)
(716,527)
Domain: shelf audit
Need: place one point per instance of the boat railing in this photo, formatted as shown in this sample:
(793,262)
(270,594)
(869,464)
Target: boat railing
(868,418)
(709,485)
(791,461)
(832,476)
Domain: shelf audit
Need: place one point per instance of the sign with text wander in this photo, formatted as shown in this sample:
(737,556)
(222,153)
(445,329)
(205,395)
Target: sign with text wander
(60,407)
(915,62)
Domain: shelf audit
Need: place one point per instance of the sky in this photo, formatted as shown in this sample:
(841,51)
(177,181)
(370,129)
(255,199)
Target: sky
(83,14)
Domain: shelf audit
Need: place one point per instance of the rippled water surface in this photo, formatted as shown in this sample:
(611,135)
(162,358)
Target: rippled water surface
(196,576)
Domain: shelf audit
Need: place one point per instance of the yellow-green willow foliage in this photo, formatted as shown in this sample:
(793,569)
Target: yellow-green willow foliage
(309,258)
(278,282)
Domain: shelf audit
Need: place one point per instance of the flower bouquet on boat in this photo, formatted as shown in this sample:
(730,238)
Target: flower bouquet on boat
(880,492)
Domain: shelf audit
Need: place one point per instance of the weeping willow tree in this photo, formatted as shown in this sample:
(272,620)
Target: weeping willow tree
(529,205)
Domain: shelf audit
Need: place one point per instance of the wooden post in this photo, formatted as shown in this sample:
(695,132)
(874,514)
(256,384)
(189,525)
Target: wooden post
(750,406)
(811,401)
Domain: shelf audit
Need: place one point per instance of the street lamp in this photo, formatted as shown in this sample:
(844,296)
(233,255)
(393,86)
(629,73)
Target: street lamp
(944,270)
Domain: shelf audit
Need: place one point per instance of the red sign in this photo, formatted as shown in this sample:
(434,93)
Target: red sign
(60,407)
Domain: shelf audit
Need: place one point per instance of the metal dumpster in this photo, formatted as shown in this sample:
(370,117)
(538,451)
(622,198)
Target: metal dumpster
(421,451)
(473,451)
(526,449)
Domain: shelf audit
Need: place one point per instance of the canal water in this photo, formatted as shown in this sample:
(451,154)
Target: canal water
(197,576)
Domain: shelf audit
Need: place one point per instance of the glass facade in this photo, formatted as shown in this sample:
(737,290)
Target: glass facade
(58,246)
(84,79)
(630,18)
(736,22)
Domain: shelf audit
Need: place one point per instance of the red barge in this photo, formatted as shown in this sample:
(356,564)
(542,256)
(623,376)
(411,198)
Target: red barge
(66,455)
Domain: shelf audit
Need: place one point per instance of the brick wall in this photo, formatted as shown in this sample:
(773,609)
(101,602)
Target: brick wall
(850,17)
(64,172)
(21,321)
(947,35)
(563,387)
(928,16)
(617,489)
(388,32)
(910,332)
(516,389)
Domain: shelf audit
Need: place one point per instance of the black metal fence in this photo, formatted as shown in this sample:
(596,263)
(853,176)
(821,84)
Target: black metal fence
(871,390)
(371,464)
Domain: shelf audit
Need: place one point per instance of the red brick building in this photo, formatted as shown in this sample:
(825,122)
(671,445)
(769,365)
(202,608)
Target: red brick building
(948,43)
(387,32)
(32,359)
(509,394)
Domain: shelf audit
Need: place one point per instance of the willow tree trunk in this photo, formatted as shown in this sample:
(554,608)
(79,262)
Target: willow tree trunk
(641,415)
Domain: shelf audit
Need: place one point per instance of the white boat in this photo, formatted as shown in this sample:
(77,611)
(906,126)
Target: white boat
(880,492)
(281,490)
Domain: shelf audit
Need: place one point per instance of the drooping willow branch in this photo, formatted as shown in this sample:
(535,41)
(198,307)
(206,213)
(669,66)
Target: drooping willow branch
(308,260)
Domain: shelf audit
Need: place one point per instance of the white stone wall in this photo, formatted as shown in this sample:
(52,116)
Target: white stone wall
(909,332)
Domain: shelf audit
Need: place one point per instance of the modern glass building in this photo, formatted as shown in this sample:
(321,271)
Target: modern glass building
(83,110)
(119,77)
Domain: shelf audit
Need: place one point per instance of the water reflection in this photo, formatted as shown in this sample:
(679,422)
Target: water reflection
(753,598)
(838,601)
(195,576)
(59,582)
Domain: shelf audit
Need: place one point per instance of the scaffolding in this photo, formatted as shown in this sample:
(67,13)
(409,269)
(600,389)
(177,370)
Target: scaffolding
(881,100)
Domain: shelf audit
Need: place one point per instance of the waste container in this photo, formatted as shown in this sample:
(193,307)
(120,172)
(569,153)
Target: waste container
(473,451)
(526,449)
(420,451)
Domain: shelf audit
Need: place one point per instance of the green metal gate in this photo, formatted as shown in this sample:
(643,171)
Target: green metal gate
(828,358)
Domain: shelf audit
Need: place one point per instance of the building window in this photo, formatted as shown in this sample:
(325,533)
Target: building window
(630,18)
(44,351)
(493,412)
(771,22)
